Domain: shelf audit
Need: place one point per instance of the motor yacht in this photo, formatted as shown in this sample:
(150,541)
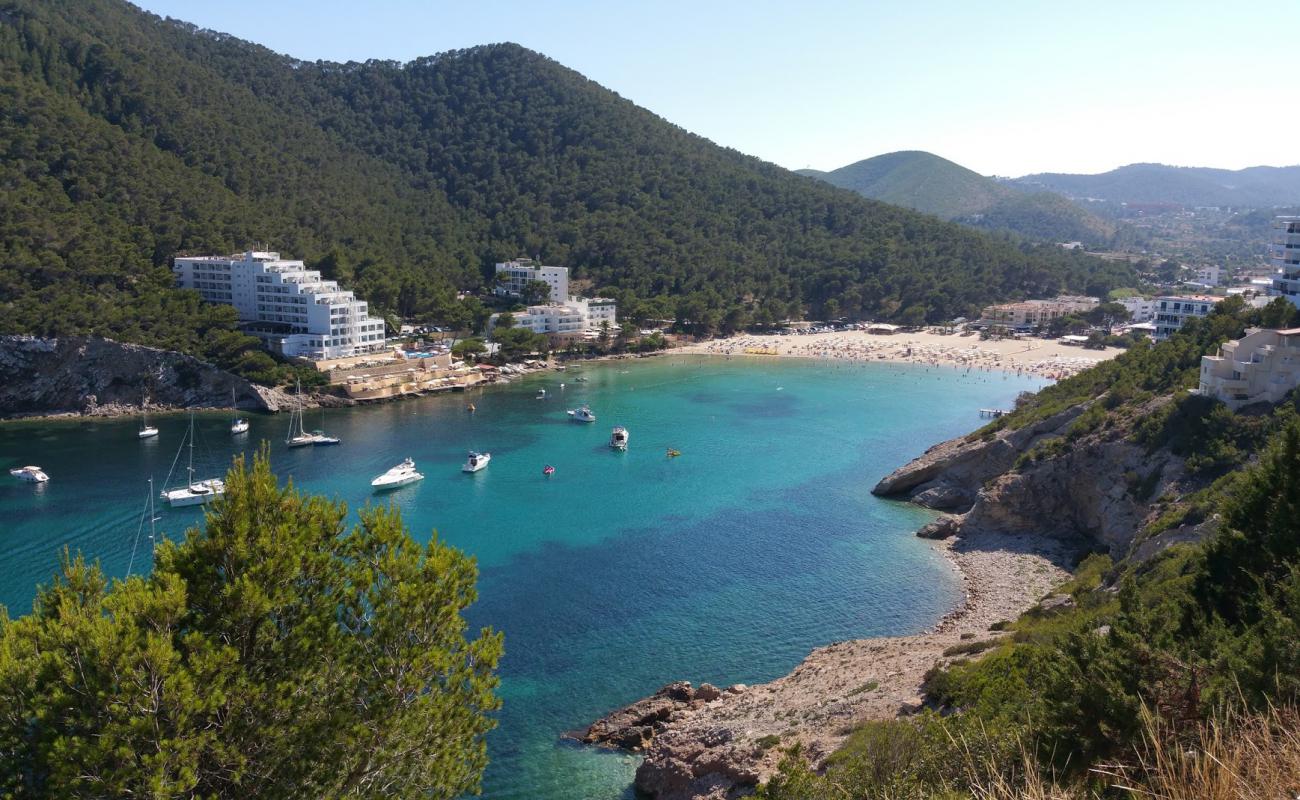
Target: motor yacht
(618,438)
(400,475)
(476,461)
(582,414)
(31,474)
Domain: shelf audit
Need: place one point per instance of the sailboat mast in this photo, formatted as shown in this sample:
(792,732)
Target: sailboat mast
(191,465)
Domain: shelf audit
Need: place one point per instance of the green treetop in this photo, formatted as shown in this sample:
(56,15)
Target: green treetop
(272,653)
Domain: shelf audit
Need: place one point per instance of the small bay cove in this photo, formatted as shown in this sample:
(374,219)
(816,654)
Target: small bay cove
(620,572)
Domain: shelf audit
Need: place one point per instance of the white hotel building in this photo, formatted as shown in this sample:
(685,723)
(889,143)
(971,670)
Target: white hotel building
(512,276)
(1172,311)
(562,315)
(1286,259)
(289,307)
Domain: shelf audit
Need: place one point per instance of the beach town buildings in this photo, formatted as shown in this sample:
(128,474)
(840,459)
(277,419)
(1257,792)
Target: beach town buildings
(1140,309)
(1035,313)
(1261,366)
(289,307)
(1286,259)
(1173,311)
(1209,275)
(513,276)
(576,318)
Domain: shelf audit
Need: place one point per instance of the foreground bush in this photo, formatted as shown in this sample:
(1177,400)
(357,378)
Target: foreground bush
(272,653)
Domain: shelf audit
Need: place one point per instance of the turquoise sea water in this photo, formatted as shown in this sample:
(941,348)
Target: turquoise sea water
(622,571)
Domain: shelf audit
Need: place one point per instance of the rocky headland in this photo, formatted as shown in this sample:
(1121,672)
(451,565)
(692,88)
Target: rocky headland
(1021,507)
(89,376)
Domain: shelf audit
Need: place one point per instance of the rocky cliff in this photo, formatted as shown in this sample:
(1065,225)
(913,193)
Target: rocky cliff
(100,377)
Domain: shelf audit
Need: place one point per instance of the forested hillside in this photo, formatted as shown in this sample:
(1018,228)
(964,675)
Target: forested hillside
(128,138)
(925,182)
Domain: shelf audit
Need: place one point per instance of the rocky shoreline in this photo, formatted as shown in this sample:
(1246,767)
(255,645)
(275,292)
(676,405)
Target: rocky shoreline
(82,376)
(721,743)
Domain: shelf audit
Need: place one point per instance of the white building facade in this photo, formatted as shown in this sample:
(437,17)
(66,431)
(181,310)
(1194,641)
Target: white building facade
(1140,309)
(1286,259)
(289,307)
(1172,311)
(1262,366)
(1209,276)
(513,276)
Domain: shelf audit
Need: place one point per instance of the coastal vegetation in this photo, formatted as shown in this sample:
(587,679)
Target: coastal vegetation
(130,139)
(271,653)
(1151,662)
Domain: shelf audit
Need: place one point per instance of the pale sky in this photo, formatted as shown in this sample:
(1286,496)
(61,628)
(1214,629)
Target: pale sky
(1005,88)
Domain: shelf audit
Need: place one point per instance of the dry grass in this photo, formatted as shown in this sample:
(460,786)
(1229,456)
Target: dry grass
(1242,757)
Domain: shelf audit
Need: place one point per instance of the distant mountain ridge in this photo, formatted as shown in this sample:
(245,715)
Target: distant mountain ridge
(1192,186)
(926,182)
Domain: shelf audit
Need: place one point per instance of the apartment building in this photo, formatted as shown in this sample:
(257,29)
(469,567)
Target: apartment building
(1036,313)
(1286,259)
(289,307)
(1173,311)
(513,276)
(1262,366)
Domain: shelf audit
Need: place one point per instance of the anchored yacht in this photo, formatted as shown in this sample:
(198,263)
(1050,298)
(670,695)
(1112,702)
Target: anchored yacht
(476,461)
(194,493)
(618,439)
(30,474)
(582,414)
(400,475)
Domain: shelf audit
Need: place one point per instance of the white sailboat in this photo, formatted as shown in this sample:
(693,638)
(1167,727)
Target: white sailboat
(193,493)
(147,431)
(319,433)
(298,435)
(238,425)
(400,475)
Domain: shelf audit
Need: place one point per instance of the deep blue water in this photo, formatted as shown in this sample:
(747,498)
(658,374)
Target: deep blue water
(616,575)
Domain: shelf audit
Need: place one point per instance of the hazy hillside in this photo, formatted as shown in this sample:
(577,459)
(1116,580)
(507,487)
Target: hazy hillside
(926,182)
(918,180)
(130,138)
(1192,186)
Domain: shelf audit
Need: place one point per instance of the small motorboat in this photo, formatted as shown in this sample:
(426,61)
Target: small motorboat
(618,438)
(541,394)
(548,470)
(580,379)
(673,453)
(476,461)
(582,414)
(470,408)
(31,474)
(400,475)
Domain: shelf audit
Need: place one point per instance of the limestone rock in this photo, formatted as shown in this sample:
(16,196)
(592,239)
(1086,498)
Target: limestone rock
(100,377)
(941,528)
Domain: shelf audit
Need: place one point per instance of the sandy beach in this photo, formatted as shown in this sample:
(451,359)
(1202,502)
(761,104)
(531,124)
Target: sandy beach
(1049,359)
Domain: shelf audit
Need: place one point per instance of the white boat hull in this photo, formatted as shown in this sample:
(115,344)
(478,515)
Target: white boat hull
(148,433)
(30,474)
(196,494)
(381,483)
(239,427)
(477,463)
